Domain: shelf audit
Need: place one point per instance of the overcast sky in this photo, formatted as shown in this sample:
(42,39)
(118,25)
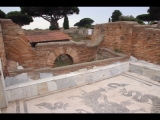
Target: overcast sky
(98,14)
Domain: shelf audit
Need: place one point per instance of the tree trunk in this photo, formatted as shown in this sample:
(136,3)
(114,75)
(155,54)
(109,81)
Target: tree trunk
(54,24)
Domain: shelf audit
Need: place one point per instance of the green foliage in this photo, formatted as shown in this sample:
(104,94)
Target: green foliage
(51,14)
(140,21)
(66,23)
(85,22)
(53,28)
(154,13)
(131,18)
(19,18)
(115,15)
(127,18)
(144,17)
(2,14)
(118,50)
(109,20)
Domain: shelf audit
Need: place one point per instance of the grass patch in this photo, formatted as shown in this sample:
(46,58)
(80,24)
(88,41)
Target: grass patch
(118,50)
(77,38)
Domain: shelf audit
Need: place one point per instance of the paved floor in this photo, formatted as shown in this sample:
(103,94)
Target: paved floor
(127,93)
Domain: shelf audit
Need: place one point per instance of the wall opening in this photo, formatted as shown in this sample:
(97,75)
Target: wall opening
(63,60)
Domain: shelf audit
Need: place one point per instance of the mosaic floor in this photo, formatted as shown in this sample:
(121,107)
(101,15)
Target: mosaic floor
(127,93)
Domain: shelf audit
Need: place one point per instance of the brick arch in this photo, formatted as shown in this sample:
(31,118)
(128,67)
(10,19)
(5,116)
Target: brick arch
(52,56)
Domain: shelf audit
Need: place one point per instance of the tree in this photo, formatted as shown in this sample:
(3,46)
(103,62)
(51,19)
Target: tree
(144,17)
(127,18)
(154,13)
(85,22)
(19,18)
(115,15)
(131,18)
(109,20)
(51,14)
(66,23)
(140,21)
(2,14)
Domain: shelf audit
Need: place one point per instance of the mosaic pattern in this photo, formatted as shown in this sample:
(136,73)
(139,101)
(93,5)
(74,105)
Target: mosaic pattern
(91,100)
(143,98)
(114,85)
(57,105)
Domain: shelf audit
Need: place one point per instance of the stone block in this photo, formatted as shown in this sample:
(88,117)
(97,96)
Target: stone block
(65,83)
(98,75)
(79,80)
(8,95)
(52,86)
(16,94)
(153,74)
(45,75)
(34,90)
(42,88)
(11,81)
(106,73)
(26,90)
(22,78)
(124,68)
(85,78)
(115,71)
(135,69)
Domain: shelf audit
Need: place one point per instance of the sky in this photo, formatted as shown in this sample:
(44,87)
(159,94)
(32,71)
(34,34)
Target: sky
(98,14)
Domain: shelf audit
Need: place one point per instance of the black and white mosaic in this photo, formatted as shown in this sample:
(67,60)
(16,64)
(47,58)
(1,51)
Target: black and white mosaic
(57,105)
(144,98)
(139,97)
(91,100)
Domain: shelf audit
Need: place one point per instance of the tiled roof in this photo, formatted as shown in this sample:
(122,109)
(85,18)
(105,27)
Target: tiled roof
(45,35)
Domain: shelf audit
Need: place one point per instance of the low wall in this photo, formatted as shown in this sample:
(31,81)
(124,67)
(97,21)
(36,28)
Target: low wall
(3,96)
(82,77)
(149,70)
(118,57)
(65,81)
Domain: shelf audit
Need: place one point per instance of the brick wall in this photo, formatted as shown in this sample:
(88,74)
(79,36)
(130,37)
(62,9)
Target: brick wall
(48,52)
(17,48)
(140,41)
(2,50)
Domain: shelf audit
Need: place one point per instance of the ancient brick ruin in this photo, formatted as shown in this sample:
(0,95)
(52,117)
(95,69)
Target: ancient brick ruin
(140,41)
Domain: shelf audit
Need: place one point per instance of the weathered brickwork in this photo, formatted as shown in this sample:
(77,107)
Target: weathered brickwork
(2,51)
(48,52)
(140,41)
(17,48)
